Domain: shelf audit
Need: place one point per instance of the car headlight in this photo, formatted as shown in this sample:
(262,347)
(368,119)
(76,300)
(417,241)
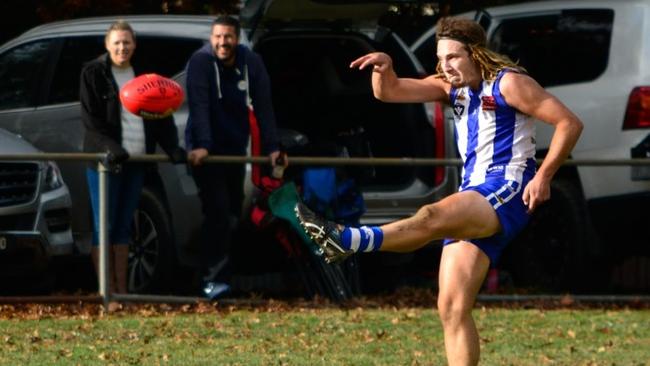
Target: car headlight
(53,178)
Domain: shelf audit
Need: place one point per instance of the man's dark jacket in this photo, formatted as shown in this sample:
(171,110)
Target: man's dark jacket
(218,119)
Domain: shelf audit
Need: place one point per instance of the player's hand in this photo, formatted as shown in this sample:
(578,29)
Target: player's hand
(196,156)
(379,60)
(536,192)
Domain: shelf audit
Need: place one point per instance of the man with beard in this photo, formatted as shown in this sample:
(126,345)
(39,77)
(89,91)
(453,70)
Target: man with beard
(225,81)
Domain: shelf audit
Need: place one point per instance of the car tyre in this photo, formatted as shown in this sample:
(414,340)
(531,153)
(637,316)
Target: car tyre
(151,249)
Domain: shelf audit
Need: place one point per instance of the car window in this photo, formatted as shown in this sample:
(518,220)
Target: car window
(564,48)
(163,55)
(75,52)
(20,72)
(426,54)
(413,137)
(484,20)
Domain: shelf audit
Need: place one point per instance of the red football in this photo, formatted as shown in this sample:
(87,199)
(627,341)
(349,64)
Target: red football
(151,96)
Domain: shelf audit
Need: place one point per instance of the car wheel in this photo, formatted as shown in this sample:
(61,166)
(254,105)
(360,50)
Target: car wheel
(150,250)
(555,251)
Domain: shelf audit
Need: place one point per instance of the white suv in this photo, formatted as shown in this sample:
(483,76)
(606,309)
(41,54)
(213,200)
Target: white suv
(595,57)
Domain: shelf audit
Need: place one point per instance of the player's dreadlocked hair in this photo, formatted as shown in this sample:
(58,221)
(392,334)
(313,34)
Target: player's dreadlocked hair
(473,36)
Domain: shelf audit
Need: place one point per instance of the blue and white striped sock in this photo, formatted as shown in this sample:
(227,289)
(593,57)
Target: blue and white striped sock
(362,239)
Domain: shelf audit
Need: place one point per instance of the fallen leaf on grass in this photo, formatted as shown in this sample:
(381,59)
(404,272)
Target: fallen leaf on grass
(65,352)
(567,300)
(380,334)
(35,337)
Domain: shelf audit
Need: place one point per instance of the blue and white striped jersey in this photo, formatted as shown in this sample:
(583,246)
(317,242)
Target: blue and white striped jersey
(493,139)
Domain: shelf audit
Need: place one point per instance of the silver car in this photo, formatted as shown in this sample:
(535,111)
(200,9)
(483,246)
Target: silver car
(34,211)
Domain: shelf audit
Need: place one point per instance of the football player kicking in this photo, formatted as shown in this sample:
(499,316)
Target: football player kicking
(494,103)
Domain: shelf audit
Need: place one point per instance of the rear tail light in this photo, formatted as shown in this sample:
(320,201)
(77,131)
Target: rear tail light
(637,114)
(439,124)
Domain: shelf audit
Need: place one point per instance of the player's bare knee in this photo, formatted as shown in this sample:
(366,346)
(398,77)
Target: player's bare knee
(428,218)
(452,309)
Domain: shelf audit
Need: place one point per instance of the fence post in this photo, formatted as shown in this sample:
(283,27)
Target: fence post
(104,271)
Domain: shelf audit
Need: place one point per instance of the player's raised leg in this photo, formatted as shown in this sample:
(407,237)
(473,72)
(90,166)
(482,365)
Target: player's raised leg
(460,215)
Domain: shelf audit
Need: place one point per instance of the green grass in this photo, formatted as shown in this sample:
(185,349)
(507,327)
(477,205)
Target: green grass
(323,336)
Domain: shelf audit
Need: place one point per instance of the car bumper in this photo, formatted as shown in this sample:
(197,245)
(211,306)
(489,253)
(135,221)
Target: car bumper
(641,151)
(54,221)
(22,253)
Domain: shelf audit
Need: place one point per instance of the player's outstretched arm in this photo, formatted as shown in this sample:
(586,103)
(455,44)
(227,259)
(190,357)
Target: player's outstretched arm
(388,87)
(526,95)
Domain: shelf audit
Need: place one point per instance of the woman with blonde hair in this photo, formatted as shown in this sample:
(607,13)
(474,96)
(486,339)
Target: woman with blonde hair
(111,129)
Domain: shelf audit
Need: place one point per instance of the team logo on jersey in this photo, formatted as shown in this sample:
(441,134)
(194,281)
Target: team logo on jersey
(496,168)
(488,103)
(458,109)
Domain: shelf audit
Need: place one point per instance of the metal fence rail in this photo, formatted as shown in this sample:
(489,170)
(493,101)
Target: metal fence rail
(106,297)
(310,160)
